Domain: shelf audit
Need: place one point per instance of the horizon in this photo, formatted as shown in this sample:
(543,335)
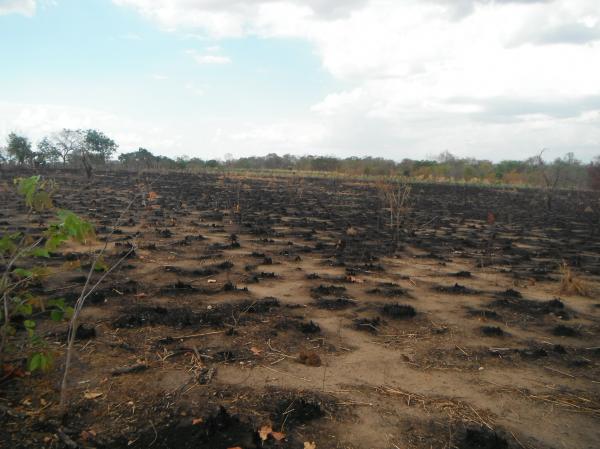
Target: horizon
(373,78)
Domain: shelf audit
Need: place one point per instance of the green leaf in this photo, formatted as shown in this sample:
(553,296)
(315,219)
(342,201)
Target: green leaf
(61,311)
(40,252)
(74,227)
(57,315)
(46,362)
(41,200)
(24,309)
(57,302)
(27,188)
(101,265)
(69,227)
(54,238)
(22,272)
(35,340)
(7,244)
(40,361)
(35,362)
(29,324)
(69,312)
(9,329)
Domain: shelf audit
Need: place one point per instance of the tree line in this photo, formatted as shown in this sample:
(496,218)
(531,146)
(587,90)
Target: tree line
(91,148)
(87,148)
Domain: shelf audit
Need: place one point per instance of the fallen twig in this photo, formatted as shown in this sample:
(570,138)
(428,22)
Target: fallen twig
(129,369)
(559,372)
(283,372)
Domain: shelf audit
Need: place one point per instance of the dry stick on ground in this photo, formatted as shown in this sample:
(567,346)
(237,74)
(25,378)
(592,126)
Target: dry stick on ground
(84,294)
(453,407)
(570,401)
(182,337)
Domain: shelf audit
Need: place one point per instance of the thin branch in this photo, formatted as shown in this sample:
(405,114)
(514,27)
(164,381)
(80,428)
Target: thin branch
(85,293)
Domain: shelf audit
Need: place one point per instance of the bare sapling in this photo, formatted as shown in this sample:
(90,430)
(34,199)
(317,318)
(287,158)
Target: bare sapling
(395,197)
(23,255)
(551,178)
(89,288)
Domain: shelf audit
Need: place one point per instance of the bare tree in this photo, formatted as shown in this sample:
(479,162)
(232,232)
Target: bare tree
(396,197)
(66,143)
(538,163)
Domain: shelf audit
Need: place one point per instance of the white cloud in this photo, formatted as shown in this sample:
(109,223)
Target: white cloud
(410,65)
(280,136)
(217,136)
(159,77)
(25,7)
(213,49)
(221,18)
(212,59)
(334,103)
(38,120)
(488,78)
(209,57)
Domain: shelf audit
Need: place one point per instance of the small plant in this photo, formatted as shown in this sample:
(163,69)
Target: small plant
(571,284)
(395,196)
(36,192)
(22,254)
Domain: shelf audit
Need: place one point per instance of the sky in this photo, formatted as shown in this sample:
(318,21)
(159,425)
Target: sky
(490,79)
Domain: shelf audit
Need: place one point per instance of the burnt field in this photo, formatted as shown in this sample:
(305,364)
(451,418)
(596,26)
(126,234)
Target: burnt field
(284,313)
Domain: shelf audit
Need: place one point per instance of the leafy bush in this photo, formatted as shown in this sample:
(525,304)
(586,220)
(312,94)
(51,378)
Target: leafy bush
(19,305)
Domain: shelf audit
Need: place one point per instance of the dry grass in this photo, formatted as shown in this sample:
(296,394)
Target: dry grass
(575,402)
(351,232)
(455,409)
(570,284)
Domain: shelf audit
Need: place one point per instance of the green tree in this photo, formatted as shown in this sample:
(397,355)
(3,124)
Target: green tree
(140,158)
(98,145)
(19,148)
(47,153)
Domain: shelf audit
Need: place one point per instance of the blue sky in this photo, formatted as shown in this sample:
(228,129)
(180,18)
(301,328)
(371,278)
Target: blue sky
(96,54)
(374,77)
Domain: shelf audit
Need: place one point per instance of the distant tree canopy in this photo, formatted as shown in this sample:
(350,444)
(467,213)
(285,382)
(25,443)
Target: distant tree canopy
(61,145)
(99,145)
(142,158)
(48,153)
(19,148)
(69,146)
(91,147)
(560,173)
